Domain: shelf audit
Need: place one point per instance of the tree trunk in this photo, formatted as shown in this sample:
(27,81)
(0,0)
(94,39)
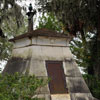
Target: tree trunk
(83,39)
(1,33)
(97,63)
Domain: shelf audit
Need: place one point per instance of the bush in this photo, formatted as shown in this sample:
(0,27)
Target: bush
(19,87)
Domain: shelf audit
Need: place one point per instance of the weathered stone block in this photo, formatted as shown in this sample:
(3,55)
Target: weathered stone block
(77,85)
(71,70)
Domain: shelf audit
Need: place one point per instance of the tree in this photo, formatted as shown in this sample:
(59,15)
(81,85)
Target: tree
(93,84)
(49,21)
(81,16)
(8,10)
(20,87)
(5,49)
(11,24)
(84,59)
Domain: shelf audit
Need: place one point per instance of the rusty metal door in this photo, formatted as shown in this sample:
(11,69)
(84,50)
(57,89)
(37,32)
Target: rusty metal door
(57,82)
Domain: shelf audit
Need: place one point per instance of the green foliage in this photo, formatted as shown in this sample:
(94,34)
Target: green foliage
(84,56)
(77,49)
(12,23)
(11,30)
(8,10)
(94,84)
(72,12)
(87,61)
(19,87)
(5,49)
(49,21)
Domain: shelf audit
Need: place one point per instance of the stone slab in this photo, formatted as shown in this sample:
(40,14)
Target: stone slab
(16,64)
(71,69)
(60,97)
(81,96)
(77,85)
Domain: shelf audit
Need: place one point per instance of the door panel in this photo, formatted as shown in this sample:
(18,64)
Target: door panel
(55,71)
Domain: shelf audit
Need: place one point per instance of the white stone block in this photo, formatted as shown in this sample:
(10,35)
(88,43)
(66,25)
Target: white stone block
(60,97)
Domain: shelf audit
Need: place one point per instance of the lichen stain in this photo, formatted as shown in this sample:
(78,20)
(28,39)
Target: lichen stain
(16,64)
(24,54)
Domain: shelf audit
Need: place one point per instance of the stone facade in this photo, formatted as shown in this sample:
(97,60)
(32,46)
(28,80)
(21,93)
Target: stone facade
(32,53)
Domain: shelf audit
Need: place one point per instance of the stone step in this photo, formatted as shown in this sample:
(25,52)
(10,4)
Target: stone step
(60,97)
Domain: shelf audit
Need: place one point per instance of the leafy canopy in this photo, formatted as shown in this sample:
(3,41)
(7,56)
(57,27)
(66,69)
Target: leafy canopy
(12,23)
(49,21)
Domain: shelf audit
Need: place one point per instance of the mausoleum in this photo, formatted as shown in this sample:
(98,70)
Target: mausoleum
(46,53)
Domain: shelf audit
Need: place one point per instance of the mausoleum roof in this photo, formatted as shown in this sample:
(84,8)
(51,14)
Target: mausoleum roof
(41,32)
